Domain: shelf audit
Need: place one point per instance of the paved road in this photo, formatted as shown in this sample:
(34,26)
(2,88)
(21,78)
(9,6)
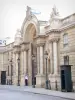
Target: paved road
(13,95)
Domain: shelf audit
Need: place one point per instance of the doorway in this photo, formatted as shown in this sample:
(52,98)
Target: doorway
(34,63)
(30,34)
(63,79)
(3,77)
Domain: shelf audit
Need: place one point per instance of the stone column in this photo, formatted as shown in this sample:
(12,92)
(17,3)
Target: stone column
(16,69)
(29,67)
(14,64)
(22,62)
(16,50)
(22,68)
(41,59)
(38,59)
(55,58)
(17,64)
(25,62)
(51,58)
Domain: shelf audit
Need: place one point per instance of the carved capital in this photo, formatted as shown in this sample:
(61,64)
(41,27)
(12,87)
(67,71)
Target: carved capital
(40,44)
(24,46)
(54,39)
(17,48)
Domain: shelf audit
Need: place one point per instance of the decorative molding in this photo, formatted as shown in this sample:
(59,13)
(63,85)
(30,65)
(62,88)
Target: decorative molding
(67,26)
(24,43)
(53,31)
(40,44)
(24,46)
(40,36)
(24,49)
(54,39)
(61,28)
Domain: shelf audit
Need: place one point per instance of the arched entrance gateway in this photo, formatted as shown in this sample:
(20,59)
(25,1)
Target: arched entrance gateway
(32,50)
(29,37)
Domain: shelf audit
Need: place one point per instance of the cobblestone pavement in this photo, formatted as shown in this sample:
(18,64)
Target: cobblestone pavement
(14,95)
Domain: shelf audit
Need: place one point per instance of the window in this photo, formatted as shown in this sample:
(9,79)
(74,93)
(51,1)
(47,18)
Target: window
(66,60)
(65,39)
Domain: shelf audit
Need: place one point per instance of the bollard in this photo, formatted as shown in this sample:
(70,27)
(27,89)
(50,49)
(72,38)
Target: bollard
(72,87)
(56,87)
(33,83)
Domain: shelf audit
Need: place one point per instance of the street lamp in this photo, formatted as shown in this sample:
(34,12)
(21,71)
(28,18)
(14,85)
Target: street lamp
(46,56)
(18,60)
(33,83)
(11,70)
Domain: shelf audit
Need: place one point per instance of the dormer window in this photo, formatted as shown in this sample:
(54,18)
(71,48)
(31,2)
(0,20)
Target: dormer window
(65,39)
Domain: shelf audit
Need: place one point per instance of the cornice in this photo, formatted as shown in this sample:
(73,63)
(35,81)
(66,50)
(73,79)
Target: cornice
(67,26)
(60,29)
(52,31)
(40,36)
(24,43)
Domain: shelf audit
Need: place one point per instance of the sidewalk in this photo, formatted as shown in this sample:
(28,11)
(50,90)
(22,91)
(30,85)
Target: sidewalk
(29,89)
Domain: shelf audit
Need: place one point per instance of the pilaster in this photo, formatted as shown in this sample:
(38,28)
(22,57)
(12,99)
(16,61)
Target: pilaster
(55,57)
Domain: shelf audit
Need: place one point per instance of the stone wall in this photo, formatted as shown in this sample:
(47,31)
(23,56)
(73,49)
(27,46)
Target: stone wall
(68,50)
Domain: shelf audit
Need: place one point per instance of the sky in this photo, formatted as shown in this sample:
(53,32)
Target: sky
(13,12)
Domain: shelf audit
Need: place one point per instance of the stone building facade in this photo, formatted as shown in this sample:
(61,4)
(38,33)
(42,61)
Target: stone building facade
(56,37)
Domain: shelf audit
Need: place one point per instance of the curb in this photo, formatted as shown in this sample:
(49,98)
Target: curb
(35,93)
